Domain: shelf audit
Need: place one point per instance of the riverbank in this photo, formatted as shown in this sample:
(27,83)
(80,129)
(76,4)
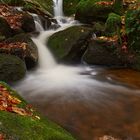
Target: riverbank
(18,120)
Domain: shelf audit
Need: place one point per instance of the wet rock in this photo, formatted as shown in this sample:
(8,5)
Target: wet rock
(12,68)
(27,23)
(104,53)
(31,54)
(54,26)
(5,29)
(69,45)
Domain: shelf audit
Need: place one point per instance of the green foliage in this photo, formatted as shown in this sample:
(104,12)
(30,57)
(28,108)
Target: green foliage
(88,11)
(15,126)
(113,24)
(69,6)
(46,5)
(118,7)
(133,29)
(13,2)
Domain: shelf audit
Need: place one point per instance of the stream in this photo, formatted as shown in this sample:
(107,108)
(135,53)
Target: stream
(88,101)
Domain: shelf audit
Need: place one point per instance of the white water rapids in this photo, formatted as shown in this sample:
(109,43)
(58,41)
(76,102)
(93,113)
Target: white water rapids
(51,79)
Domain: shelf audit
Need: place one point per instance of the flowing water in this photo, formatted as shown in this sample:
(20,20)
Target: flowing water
(87,101)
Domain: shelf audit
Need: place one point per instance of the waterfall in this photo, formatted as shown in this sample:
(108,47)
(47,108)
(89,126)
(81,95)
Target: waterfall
(58,8)
(38,24)
(46,59)
(51,78)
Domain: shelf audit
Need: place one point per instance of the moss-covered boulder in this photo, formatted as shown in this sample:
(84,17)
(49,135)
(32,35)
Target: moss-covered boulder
(30,54)
(89,11)
(70,44)
(5,30)
(104,53)
(20,121)
(113,24)
(44,6)
(69,7)
(12,68)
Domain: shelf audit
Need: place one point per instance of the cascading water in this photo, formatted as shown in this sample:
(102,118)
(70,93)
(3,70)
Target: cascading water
(38,24)
(52,76)
(53,86)
(58,8)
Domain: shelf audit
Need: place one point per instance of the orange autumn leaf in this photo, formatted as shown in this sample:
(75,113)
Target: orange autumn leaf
(19,111)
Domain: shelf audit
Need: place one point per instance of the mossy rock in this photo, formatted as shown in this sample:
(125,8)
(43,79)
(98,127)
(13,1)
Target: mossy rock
(132,27)
(13,2)
(5,30)
(31,56)
(15,126)
(113,24)
(99,28)
(104,53)
(12,68)
(43,5)
(69,7)
(70,44)
(89,11)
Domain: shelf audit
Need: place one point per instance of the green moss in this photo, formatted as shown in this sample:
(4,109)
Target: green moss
(13,2)
(69,6)
(62,42)
(113,24)
(12,68)
(46,5)
(15,126)
(133,29)
(88,11)
(118,7)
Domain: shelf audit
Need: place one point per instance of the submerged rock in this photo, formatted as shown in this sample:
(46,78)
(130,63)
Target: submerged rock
(70,44)
(12,68)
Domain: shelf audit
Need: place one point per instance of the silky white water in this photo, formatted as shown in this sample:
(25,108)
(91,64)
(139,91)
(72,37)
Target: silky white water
(58,8)
(50,78)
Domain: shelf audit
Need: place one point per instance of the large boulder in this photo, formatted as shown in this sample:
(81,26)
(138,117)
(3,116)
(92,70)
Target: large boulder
(90,11)
(30,54)
(12,68)
(104,53)
(70,44)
